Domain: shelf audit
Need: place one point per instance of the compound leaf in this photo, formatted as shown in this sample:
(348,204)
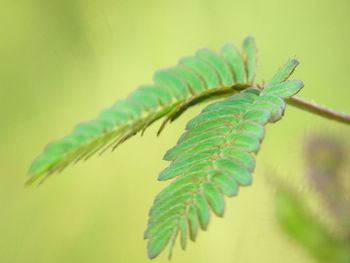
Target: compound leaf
(303,227)
(194,79)
(215,155)
(212,158)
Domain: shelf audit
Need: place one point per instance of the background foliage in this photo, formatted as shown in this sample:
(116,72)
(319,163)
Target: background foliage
(61,61)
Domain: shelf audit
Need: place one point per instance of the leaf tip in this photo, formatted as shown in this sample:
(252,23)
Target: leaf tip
(165,175)
(249,39)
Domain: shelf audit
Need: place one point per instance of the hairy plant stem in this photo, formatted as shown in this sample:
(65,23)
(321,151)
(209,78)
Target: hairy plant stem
(319,110)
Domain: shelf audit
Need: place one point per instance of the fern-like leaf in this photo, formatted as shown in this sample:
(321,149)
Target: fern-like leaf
(194,79)
(300,225)
(214,157)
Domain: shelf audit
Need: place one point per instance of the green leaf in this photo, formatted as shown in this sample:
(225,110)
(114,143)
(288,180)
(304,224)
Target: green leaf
(212,158)
(236,171)
(183,232)
(195,79)
(279,84)
(215,155)
(192,221)
(235,61)
(159,243)
(214,60)
(224,182)
(175,86)
(214,198)
(202,210)
(303,227)
(285,89)
(250,57)
(284,72)
(200,67)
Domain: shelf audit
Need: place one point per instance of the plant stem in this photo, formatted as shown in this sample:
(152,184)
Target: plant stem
(319,110)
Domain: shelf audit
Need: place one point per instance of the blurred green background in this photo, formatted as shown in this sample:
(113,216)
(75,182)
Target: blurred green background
(62,61)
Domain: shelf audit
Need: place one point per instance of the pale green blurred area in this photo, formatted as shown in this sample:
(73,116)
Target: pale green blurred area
(62,61)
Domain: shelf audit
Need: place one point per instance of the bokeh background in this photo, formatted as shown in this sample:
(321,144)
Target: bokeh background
(62,61)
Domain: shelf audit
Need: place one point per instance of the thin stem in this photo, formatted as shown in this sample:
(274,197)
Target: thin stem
(319,110)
